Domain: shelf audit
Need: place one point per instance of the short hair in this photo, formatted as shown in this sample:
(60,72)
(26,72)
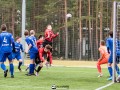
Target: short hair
(111,33)
(40,36)
(26,33)
(49,47)
(32,32)
(3,27)
(102,42)
(16,38)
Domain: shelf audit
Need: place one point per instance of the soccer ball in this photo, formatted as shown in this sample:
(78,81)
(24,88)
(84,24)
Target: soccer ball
(69,15)
(53,86)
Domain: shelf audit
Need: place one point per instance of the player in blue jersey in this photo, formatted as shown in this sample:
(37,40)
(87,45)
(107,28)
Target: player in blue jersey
(110,50)
(32,50)
(6,44)
(17,54)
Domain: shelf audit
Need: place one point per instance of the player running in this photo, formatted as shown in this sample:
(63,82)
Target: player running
(42,52)
(110,50)
(32,50)
(104,56)
(6,46)
(17,54)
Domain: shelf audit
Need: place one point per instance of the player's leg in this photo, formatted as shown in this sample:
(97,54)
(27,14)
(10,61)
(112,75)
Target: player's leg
(110,67)
(116,66)
(103,61)
(11,65)
(32,65)
(2,60)
(39,68)
(18,57)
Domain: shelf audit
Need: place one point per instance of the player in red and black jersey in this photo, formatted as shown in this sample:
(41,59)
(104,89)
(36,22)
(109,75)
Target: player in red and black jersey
(40,41)
(49,36)
(42,52)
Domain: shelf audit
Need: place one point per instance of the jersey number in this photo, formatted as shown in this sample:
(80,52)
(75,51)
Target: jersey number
(5,40)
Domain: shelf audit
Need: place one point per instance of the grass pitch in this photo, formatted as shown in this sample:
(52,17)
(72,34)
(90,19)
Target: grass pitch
(64,78)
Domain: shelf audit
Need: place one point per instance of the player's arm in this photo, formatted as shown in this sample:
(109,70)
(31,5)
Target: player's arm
(13,43)
(41,54)
(107,44)
(101,54)
(21,47)
(55,35)
(29,44)
(47,34)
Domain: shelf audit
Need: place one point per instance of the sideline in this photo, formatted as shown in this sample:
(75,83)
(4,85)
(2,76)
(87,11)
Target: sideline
(100,88)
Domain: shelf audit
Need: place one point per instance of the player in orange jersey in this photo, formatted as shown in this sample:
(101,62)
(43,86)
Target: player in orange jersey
(104,56)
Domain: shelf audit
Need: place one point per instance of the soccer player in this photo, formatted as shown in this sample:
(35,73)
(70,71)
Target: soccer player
(104,56)
(32,49)
(110,50)
(6,44)
(40,41)
(17,54)
(42,52)
(49,36)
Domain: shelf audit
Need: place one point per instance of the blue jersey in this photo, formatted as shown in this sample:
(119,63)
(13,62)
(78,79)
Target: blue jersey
(18,47)
(6,40)
(118,48)
(109,43)
(30,40)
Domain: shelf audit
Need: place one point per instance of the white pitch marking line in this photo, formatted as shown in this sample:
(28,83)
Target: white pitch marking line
(100,88)
(22,86)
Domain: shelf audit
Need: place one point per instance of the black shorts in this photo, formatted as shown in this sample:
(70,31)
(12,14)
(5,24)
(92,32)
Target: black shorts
(46,42)
(37,60)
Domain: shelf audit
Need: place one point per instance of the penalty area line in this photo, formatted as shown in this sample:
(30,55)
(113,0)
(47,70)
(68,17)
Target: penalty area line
(34,87)
(100,88)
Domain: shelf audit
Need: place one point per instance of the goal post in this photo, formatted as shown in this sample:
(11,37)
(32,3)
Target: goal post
(23,26)
(116,29)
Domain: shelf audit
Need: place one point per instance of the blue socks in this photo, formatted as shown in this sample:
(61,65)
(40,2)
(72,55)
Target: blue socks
(117,69)
(3,66)
(11,69)
(110,70)
(31,68)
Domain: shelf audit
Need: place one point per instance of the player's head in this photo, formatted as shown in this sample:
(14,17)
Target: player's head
(40,36)
(18,39)
(3,27)
(47,48)
(49,27)
(102,42)
(111,33)
(26,33)
(32,32)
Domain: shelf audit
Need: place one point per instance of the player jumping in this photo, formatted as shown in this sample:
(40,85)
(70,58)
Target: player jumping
(49,36)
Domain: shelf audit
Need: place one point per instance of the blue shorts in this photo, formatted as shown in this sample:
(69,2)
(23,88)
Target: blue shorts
(16,55)
(110,60)
(33,55)
(4,56)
